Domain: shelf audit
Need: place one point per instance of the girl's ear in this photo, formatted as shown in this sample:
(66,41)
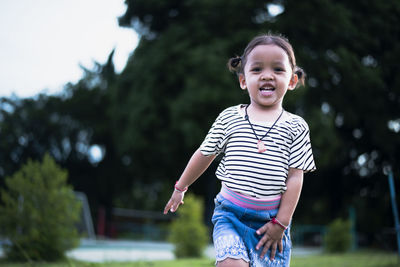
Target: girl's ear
(242,82)
(293,82)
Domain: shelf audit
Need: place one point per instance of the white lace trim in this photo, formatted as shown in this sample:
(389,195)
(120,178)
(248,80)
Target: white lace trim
(256,261)
(230,246)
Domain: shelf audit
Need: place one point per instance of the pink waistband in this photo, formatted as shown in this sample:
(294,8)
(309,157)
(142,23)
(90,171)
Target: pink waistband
(250,202)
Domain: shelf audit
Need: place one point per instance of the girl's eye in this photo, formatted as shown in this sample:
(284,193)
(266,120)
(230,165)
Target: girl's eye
(279,69)
(256,69)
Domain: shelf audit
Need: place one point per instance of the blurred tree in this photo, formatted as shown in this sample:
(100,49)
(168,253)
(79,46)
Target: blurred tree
(338,237)
(188,232)
(39,212)
(74,128)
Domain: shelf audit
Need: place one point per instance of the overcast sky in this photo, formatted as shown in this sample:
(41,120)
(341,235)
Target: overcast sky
(44,41)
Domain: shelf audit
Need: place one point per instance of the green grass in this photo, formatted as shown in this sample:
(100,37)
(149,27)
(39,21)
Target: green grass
(358,259)
(174,263)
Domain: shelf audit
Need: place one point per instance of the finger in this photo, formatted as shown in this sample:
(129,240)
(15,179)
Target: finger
(262,241)
(265,238)
(280,246)
(167,207)
(174,208)
(265,249)
(273,252)
(262,229)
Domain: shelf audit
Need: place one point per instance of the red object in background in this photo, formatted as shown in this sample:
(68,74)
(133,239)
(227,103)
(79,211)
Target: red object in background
(101,221)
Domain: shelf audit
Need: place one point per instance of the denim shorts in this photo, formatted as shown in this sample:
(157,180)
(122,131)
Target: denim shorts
(235,237)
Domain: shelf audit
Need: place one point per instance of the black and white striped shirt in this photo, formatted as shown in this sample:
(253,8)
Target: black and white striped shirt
(243,169)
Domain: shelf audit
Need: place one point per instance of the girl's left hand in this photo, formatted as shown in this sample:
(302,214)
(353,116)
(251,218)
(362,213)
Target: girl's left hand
(272,238)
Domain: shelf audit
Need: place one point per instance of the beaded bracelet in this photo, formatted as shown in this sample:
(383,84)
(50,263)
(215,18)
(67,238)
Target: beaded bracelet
(275,221)
(179,189)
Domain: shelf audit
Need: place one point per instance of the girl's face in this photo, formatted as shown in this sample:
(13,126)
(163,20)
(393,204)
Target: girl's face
(267,76)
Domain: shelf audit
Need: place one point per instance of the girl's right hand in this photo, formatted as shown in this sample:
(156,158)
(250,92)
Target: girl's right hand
(174,202)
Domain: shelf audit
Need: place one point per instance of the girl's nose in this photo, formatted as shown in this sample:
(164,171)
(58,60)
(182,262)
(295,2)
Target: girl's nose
(265,76)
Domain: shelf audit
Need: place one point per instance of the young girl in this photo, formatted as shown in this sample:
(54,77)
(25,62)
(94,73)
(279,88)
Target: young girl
(266,151)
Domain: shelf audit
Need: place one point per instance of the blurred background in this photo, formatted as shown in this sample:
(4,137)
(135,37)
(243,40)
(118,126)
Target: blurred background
(137,98)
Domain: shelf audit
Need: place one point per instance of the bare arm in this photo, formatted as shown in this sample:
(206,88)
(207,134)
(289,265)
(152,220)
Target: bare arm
(291,197)
(273,233)
(197,164)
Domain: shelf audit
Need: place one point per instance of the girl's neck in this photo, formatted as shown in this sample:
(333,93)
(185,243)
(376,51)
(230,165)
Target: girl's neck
(264,114)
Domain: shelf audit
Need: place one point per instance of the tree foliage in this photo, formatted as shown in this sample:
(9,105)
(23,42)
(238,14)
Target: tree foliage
(67,126)
(188,232)
(39,212)
(338,238)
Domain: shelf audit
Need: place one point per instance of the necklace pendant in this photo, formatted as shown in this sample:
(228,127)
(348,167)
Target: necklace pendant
(261,146)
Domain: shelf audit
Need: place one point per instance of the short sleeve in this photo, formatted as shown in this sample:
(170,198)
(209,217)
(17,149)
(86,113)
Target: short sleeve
(214,141)
(301,156)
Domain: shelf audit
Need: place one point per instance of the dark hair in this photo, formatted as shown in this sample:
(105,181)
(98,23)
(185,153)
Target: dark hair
(236,64)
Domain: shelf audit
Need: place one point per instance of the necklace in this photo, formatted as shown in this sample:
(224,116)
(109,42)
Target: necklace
(260,144)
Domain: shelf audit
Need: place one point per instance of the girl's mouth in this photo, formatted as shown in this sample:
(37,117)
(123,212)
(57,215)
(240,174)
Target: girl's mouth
(267,91)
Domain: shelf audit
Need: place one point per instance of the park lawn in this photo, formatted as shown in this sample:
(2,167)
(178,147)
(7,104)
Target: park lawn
(358,259)
(174,263)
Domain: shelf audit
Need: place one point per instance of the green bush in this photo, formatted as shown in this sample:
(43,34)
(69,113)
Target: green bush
(188,232)
(338,237)
(38,213)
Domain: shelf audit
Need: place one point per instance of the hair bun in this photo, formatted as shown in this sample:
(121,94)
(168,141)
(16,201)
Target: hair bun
(235,61)
(234,64)
(300,74)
